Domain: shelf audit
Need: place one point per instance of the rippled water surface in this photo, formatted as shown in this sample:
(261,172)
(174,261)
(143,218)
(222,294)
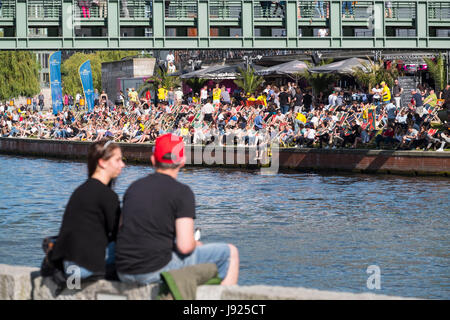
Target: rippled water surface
(309,230)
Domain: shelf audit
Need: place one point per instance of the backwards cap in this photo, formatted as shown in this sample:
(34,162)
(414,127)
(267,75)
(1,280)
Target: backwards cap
(169,148)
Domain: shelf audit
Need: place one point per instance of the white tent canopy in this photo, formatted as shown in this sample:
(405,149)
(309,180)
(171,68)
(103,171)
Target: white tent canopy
(219,72)
(343,67)
(287,68)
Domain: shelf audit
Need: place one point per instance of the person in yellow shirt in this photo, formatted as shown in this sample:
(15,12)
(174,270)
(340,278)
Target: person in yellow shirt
(216,94)
(133,96)
(385,93)
(162,94)
(262,99)
(366,111)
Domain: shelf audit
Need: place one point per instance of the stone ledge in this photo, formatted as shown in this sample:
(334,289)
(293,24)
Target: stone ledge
(24,283)
(16,282)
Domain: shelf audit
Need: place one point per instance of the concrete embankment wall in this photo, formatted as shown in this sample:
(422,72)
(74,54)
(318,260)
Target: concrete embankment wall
(25,283)
(346,160)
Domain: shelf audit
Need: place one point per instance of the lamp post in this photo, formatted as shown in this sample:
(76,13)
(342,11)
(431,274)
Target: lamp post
(249,60)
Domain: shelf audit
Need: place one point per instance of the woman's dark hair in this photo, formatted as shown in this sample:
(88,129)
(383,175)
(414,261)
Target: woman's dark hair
(102,149)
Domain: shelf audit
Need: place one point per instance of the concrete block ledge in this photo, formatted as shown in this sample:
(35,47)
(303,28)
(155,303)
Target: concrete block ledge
(25,283)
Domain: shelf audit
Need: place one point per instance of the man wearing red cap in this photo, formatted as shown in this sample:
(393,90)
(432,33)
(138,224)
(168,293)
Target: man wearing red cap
(157,232)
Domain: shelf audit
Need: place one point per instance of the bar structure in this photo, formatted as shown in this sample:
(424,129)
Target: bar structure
(240,24)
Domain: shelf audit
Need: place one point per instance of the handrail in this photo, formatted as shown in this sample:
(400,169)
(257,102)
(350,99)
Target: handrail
(401,10)
(180,9)
(88,12)
(313,10)
(439,11)
(40,9)
(136,9)
(225,9)
(269,9)
(8,9)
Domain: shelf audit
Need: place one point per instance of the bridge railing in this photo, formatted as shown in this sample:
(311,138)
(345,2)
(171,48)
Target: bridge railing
(225,9)
(44,9)
(90,12)
(269,9)
(356,9)
(8,9)
(401,10)
(313,10)
(136,9)
(439,11)
(181,9)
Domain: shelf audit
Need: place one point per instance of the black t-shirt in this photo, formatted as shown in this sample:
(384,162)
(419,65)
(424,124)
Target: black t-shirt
(146,239)
(307,99)
(446,95)
(90,221)
(298,99)
(418,98)
(284,98)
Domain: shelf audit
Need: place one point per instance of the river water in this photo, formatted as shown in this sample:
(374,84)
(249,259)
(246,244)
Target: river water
(309,230)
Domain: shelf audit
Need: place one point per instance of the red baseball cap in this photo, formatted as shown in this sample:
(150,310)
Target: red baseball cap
(169,148)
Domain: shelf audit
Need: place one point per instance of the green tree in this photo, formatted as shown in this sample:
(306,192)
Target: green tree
(375,72)
(69,69)
(19,74)
(437,70)
(196,84)
(160,78)
(318,81)
(248,80)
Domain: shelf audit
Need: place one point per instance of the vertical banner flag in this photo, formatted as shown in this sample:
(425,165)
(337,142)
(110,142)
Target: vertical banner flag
(371,119)
(55,81)
(85,72)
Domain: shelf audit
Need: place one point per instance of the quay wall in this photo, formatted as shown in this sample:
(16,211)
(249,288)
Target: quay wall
(317,160)
(25,283)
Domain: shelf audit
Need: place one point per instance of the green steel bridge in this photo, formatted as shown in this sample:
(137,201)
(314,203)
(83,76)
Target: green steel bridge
(244,24)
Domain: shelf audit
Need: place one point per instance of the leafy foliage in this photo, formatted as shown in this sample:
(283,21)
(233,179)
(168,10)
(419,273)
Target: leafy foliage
(437,71)
(163,78)
(318,81)
(69,69)
(248,80)
(196,84)
(19,74)
(374,73)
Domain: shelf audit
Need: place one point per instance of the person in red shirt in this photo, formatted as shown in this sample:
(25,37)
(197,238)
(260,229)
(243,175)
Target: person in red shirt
(148,96)
(386,137)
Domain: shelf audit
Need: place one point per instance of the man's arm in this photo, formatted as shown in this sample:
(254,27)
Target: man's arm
(184,229)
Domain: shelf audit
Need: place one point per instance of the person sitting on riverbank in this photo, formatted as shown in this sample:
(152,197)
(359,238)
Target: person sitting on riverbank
(137,123)
(157,233)
(91,218)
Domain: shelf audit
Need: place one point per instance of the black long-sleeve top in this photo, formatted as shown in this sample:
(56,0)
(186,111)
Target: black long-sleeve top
(89,223)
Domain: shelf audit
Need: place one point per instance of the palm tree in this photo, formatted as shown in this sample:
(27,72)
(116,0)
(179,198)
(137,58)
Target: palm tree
(318,81)
(161,78)
(375,72)
(437,71)
(196,84)
(248,80)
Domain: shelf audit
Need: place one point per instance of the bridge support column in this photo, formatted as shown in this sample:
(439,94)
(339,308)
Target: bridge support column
(335,24)
(422,24)
(378,24)
(203,24)
(158,23)
(113,23)
(247,23)
(21,23)
(291,24)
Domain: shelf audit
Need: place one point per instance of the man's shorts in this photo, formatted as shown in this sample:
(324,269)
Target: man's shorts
(218,253)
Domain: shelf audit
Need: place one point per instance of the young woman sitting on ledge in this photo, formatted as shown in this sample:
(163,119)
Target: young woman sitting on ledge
(86,239)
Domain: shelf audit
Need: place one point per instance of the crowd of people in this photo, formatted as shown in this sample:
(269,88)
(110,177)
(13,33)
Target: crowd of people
(286,115)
